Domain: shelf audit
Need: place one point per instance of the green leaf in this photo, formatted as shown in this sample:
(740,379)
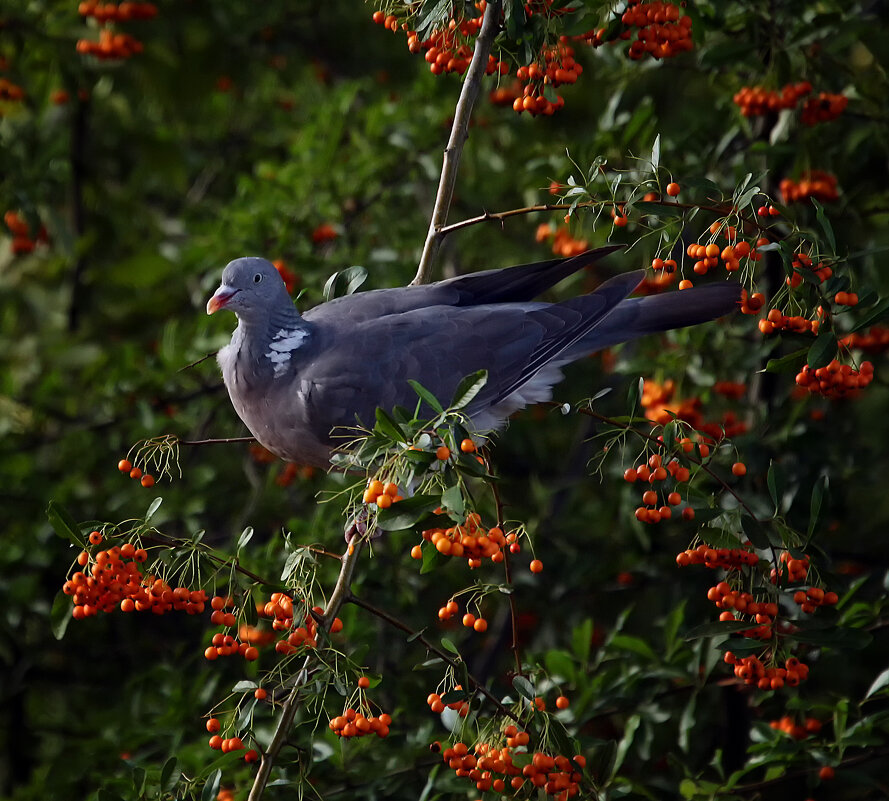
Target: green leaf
(775,482)
(468,389)
(825,225)
(876,315)
(789,362)
(626,642)
(64,524)
(452,499)
(582,639)
(139,780)
(448,645)
(405,513)
(453,696)
(559,664)
(815,503)
(840,718)
(755,532)
(60,615)
(155,505)
(879,683)
(524,687)
(351,278)
(426,396)
(169,774)
(823,349)
(211,786)
(623,747)
(432,559)
(244,685)
(246,536)
(388,427)
(716,628)
(656,153)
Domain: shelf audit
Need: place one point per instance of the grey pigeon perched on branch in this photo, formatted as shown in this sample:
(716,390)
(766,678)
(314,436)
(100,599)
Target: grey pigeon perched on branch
(295,378)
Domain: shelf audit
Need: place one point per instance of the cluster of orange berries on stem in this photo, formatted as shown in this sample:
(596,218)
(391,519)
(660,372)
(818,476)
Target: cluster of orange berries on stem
(563,243)
(470,541)
(126,466)
(353,723)
(111,45)
(797,731)
(756,101)
(809,600)
(471,621)
(558,67)
(660,407)
(662,30)
(383,495)
(114,577)
(493,768)
(227,744)
(280,608)
(655,471)
(795,568)
(818,184)
(708,256)
(775,321)
(22,241)
(823,108)
(437,704)
(835,380)
(751,670)
(876,340)
(728,599)
(727,558)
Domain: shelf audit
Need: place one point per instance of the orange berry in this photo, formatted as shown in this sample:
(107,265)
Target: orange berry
(469,620)
(260,694)
(739,469)
(147,480)
(124,465)
(95,538)
(213,725)
(443,453)
(685,284)
(135,473)
(536,566)
(826,773)
(562,701)
(467,446)
(251,653)
(417,552)
(673,189)
(480,625)
(364,682)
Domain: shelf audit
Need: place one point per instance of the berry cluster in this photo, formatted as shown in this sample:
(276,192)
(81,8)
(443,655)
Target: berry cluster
(353,723)
(564,244)
(126,466)
(667,265)
(383,495)
(662,30)
(280,609)
(491,768)
(809,600)
(114,577)
(752,303)
(557,67)
(752,671)
(660,408)
(708,256)
(795,730)
(437,705)
(726,558)
(653,472)
(227,744)
(802,262)
(111,45)
(756,101)
(226,645)
(471,541)
(469,620)
(10,91)
(824,108)
(727,599)
(796,568)
(835,380)
(818,184)
(733,390)
(876,340)
(22,242)
(775,320)
(111,12)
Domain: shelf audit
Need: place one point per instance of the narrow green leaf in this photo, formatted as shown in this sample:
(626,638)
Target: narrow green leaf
(775,482)
(211,786)
(879,683)
(244,685)
(876,315)
(789,362)
(426,396)
(452,499)
(60,615)
(823,349)
(656,153)
(432,559)
(754,532)
(388,427)
(246,536)
(582,639)
(825,225)
(139,780)
(626,642)
(169,774)
(815,503)
(155,505)
(623,747)
(524,687)
(351,279)
(449,646)
(407,512)
(468,389)
(64,524)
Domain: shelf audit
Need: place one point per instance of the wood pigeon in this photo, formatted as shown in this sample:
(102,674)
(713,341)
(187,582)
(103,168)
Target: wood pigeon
(293,379)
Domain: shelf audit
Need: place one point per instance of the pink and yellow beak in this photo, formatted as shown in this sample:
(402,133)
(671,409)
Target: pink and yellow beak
(220,298)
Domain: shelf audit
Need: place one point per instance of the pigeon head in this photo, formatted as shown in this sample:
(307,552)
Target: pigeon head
(251,288)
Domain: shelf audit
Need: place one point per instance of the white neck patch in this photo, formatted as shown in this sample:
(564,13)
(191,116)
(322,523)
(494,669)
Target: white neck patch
(282,345)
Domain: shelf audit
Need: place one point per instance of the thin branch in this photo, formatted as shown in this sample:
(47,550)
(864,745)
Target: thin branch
(459,134)
(341,593)
(513,612)
(416,636)
(214,441)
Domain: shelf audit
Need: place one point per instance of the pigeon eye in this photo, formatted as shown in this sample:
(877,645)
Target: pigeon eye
(257,278)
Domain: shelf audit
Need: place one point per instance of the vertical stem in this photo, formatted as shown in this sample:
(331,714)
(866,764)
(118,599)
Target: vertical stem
(288,711)
(459,134)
